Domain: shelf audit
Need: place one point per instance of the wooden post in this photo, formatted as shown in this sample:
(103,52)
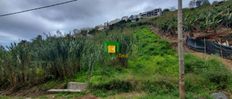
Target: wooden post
(181,51)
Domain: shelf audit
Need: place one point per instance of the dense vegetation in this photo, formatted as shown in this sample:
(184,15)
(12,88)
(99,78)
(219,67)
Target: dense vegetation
(29,63)
(151,69)
(203,19)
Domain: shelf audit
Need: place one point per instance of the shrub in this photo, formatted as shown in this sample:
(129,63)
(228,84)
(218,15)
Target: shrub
(210,71)
(55,57)
(115,85)
(160,87)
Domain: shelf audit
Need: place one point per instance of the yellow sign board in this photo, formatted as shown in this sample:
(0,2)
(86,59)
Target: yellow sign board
(112,49)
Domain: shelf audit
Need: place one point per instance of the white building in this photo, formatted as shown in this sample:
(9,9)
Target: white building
(125,18)
(100,27)
(152,13)
(106,24)
(114,21)
(134,18)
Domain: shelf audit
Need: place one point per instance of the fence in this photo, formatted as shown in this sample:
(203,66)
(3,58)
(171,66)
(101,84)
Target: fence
(209,47)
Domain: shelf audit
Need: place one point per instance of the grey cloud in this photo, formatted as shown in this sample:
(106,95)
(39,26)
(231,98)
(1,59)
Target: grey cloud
(83,13)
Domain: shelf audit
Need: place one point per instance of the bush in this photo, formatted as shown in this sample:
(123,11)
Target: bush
(209,74)
(221,80)
(115,85)
(160,87)
(55,57)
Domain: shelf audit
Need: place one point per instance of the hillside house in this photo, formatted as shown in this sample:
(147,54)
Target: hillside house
(125,18)
(134,18)
(100,27)
(152,13)
(114,21)
(106,24)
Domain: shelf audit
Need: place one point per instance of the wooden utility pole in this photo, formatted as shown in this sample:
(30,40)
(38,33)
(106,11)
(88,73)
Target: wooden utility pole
(181,51)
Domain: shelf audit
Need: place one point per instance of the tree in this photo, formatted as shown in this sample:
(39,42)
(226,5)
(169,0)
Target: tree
(166,10)
(192,4)
(198,3)
(39,38)
(215,3)
(172,9)
(205,2)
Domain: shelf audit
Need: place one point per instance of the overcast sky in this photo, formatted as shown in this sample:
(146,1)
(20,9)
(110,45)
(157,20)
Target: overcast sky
(83,13)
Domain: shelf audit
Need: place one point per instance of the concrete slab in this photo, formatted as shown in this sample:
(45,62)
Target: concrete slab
(72,87)
(77,85)
(64,90)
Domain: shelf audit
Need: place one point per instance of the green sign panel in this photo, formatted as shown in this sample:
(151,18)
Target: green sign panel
(112,47)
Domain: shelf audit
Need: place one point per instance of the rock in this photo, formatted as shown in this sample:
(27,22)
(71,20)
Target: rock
(219,95)
(64,90)
(72,87)
(77,85)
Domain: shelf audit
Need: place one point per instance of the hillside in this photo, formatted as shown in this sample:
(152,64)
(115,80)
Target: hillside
(211,22)
(151,70)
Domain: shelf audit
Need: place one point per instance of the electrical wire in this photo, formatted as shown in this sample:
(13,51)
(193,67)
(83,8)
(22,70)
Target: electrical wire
(38,8)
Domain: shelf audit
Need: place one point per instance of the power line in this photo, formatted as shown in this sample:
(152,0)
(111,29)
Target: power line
(38,8)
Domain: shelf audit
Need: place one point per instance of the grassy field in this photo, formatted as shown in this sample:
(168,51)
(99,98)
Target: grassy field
(152,73)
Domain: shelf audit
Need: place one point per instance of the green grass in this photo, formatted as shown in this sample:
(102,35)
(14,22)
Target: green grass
(153,69)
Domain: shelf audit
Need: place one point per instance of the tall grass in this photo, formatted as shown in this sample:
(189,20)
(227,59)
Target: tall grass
(28,63)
